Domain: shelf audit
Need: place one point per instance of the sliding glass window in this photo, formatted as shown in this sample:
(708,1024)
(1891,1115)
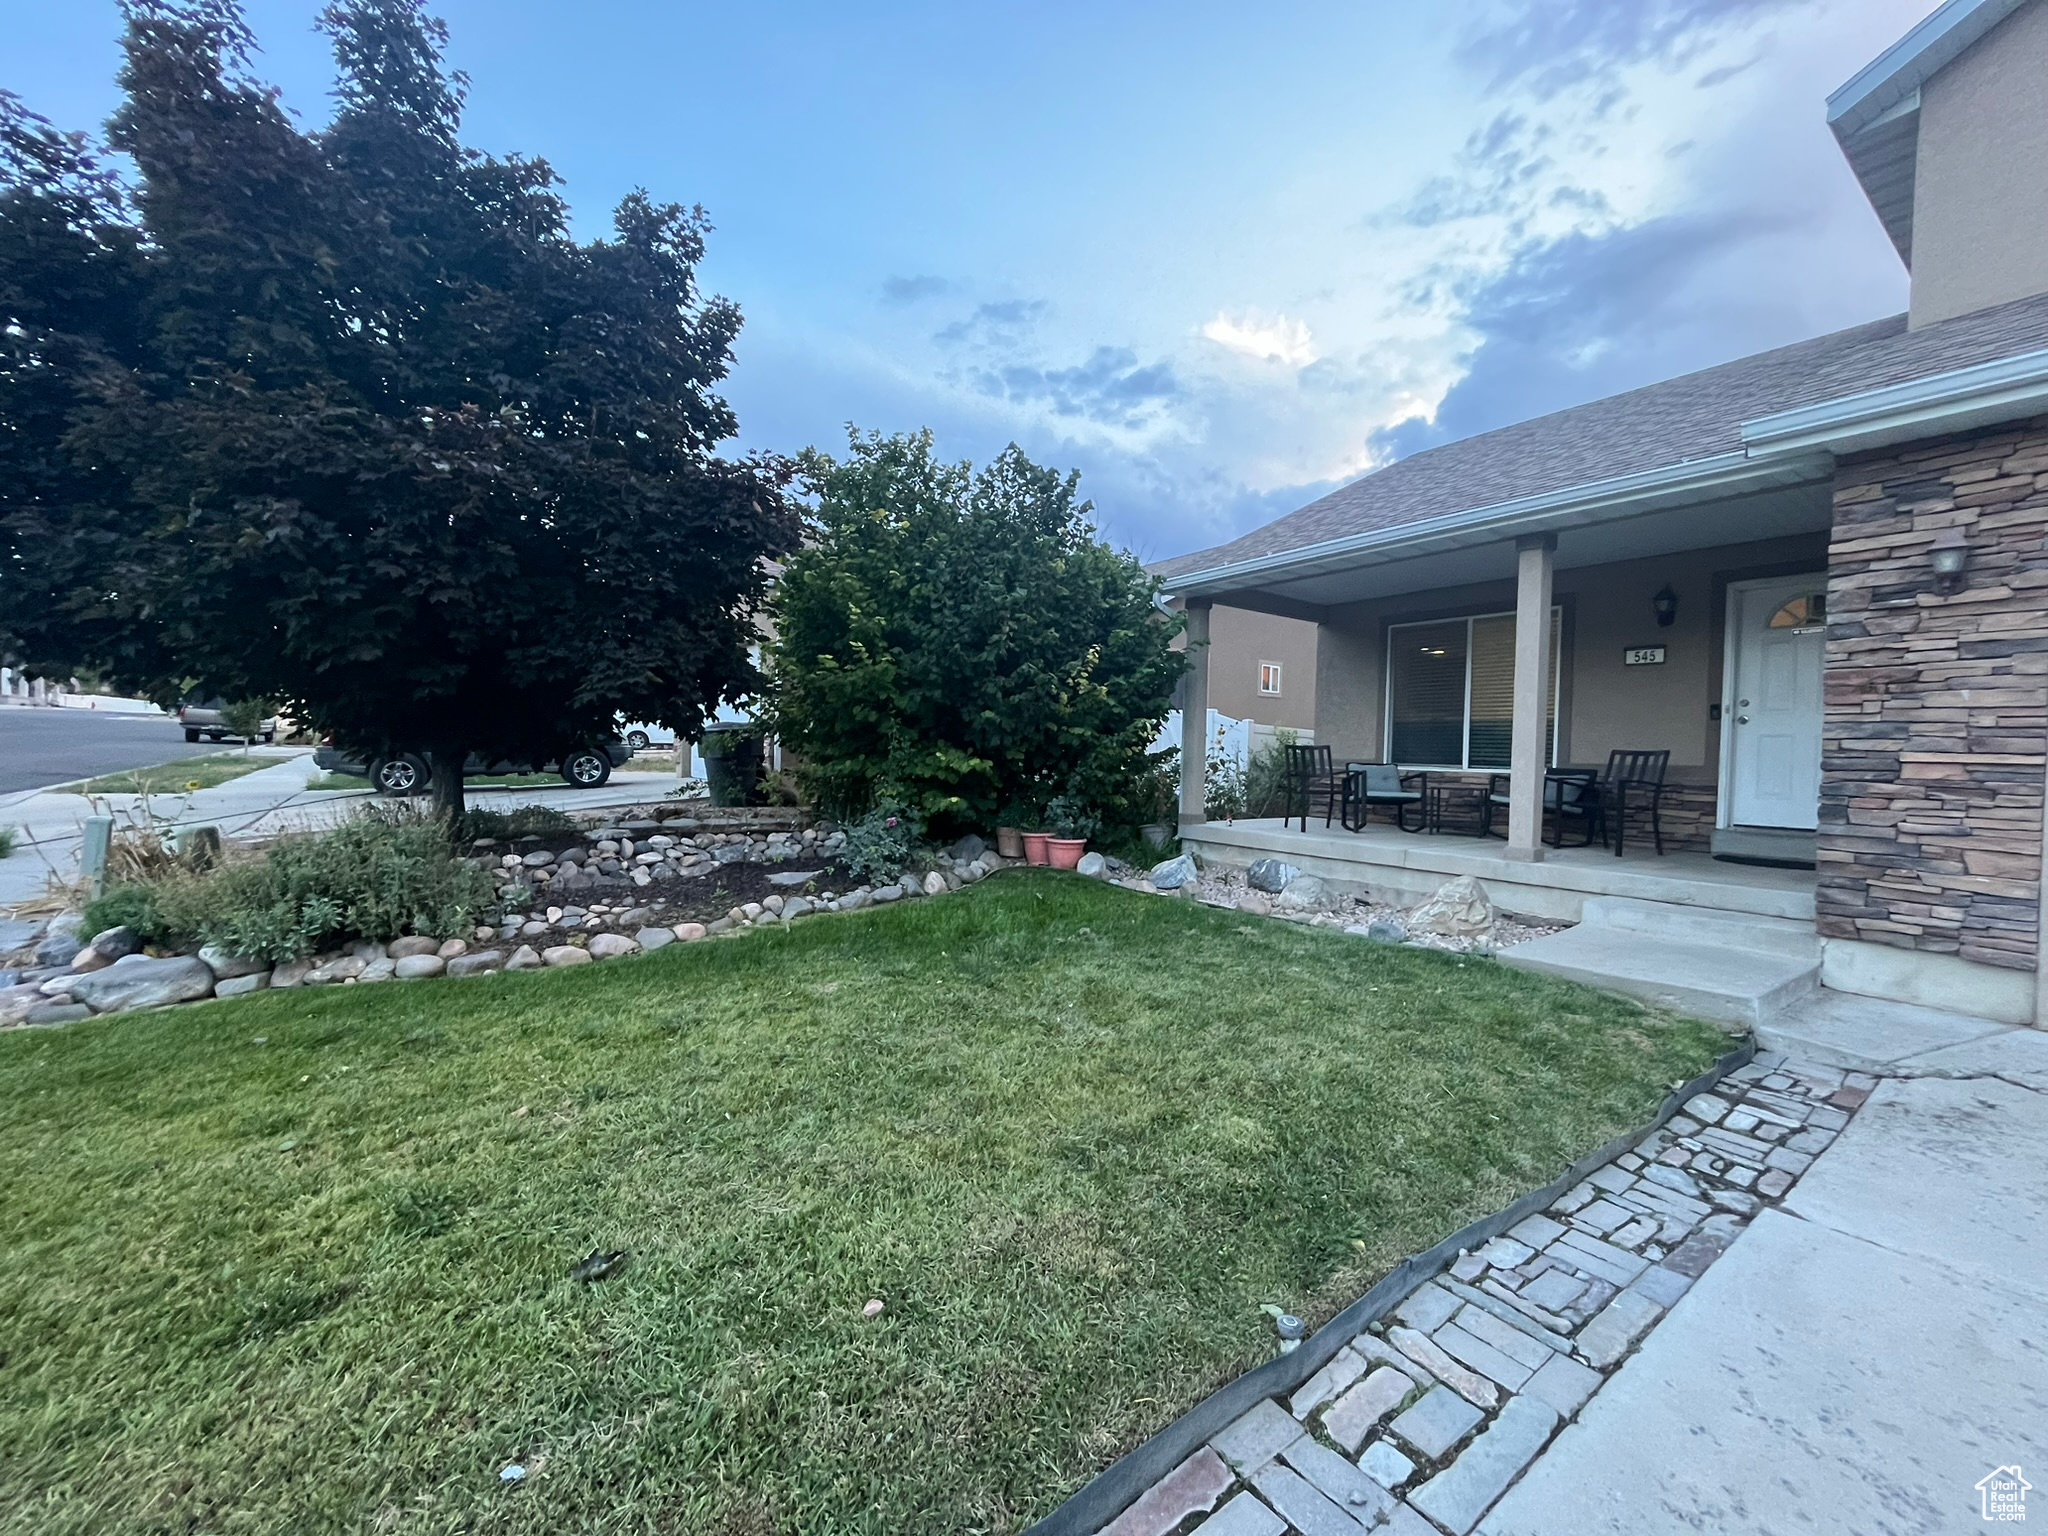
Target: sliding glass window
(1451,692)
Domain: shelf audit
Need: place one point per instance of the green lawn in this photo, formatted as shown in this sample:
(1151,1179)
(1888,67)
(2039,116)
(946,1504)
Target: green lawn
(299,1262)
(176,778)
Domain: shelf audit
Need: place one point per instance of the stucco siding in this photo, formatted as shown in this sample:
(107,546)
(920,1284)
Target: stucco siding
(1239,640)
(1980,196)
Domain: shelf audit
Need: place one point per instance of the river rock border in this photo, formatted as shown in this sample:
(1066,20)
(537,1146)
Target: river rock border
(1417,1407)
(72,979)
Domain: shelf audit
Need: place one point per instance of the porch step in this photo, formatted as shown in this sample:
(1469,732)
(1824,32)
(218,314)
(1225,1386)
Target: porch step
(1707,926)
(1734,967)
(1778,845)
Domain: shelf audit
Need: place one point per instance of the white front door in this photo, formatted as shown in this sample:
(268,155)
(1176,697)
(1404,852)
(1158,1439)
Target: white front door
(1772,713)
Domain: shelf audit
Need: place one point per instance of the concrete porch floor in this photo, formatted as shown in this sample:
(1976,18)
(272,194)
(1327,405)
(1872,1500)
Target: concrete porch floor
(1407,866)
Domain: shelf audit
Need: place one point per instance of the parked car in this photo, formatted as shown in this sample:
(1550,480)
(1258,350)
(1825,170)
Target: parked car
(405,773)
(208,718)
(640,736)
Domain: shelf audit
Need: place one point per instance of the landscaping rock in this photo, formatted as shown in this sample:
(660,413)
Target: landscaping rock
(1174,873)
(789,878)
(412,945)
(241,986)
(379,970)
(654,938)
(1387,930)
(636,917)
(968,849)
(139,982)
(418,967)
(58,947)
(340,968)
(1093,865)
(524,958)
(689,933)
(44,1014)
(1303,893)
(935,884)
(117,942)
(884,894)
(90,959)
(292,973)
(565,954)
(476,964)
(1458,909)
(796,907)
(1270,875)
(450,948)
(16,1001)
(605,946)
(227,967)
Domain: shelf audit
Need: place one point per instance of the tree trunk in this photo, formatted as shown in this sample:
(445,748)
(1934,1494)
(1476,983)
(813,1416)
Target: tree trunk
(445,769)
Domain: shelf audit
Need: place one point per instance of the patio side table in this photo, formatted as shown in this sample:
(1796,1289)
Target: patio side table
(1457,808)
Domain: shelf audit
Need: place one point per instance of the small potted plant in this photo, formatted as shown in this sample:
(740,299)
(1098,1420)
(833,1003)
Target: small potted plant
(1072,826)
(1010,829)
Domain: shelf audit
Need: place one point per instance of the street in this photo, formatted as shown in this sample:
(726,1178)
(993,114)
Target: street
(40,747)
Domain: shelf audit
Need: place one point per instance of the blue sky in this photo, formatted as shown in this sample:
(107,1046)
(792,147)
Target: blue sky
(1219,258)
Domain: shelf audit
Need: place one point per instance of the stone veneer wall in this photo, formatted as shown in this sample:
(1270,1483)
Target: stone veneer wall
(1932,751)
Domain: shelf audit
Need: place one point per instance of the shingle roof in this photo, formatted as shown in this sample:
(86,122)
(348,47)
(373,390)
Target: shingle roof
(1691,417)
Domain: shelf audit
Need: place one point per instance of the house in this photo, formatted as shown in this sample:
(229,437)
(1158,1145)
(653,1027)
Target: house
(1815,577)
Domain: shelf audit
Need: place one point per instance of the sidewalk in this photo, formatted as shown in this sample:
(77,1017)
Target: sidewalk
(1860,1358)
(270,800)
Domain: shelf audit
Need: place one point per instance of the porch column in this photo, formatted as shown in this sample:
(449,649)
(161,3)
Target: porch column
(1534,556)
(1194,717)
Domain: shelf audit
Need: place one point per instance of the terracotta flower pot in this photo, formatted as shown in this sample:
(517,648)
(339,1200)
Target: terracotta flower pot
(1010,842)
(1066,851)
(1035,851)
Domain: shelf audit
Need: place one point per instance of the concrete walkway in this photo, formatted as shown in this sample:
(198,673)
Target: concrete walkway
(1864,1354)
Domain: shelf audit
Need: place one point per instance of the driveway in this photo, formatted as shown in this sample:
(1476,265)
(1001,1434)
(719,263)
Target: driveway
(1863,1356)
(40,747)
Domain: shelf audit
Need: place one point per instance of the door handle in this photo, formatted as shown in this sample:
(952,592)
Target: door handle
(1742,719)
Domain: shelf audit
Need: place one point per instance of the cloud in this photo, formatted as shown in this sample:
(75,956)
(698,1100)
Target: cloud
(1111,388)
(1002,323)
(1268,337)
(1550,46)
(914,290)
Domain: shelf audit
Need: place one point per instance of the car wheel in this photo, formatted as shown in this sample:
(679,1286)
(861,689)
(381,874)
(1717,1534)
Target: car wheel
(269,737)
(404,775)
(586,769)
(637,740)
(214,737)
(191,735)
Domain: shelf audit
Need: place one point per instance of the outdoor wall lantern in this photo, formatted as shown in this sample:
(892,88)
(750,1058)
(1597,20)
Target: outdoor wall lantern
(1666,605)
(1951,560)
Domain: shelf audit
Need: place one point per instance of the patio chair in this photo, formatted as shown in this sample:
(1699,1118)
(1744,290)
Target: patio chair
(1569,794)
(1637,776)
(1369,784)
(1313,783)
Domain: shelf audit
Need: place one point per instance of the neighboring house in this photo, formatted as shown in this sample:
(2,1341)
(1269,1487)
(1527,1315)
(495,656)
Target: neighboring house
(1262,667)
(1815,576)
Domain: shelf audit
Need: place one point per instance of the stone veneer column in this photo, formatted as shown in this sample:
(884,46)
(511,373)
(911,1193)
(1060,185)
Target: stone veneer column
(1937,706)
(1194,718)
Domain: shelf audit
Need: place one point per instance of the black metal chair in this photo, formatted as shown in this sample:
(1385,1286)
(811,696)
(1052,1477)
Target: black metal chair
(1313,784)
(1369,784)
(1568,794)
(1637,775)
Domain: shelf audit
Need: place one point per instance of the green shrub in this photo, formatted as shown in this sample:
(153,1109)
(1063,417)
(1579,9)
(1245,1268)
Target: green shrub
(130,906)
(7,835)
(878,845)
(521,821)
(385,873)
(1069,816)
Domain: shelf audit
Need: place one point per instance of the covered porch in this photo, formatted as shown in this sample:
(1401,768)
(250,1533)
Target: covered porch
(1682,618)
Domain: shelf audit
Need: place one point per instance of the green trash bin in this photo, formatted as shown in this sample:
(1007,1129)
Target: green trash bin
(732,763)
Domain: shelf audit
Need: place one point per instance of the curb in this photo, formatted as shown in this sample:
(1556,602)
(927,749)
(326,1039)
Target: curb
(1113,1490)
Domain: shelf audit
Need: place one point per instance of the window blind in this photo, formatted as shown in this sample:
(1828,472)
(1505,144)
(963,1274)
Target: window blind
(1451,692)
